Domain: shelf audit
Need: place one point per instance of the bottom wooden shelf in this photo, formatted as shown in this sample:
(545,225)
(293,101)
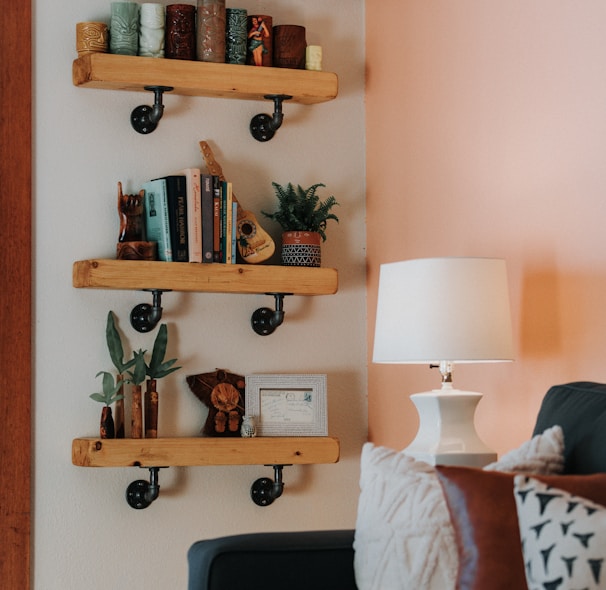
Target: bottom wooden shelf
(184,452)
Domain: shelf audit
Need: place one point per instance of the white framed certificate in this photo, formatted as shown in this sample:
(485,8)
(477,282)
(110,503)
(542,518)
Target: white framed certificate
(287,405)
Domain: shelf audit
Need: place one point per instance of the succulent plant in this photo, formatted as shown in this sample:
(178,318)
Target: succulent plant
(109,393)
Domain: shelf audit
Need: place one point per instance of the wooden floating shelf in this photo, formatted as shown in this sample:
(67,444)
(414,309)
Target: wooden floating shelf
(195,78)
(207,278)
(192,452)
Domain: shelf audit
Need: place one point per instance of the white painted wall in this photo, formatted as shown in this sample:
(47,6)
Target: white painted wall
(85,533)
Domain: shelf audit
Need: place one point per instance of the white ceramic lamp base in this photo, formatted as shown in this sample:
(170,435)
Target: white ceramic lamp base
(447,435)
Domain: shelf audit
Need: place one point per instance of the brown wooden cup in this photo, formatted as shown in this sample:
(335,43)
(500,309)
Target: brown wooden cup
(289,46)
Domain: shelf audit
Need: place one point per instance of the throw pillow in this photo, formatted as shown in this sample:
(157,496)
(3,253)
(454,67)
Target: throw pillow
(484,516)
(404,537)
(563,537)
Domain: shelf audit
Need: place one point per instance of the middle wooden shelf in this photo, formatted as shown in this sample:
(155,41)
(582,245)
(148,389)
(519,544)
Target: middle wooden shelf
(203,278)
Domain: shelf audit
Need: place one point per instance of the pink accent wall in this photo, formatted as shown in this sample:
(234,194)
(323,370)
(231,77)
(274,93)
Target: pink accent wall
(486,136)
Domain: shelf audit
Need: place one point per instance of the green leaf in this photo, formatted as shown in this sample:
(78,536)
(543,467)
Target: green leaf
(159,350)
(138,375)
(165,369)
(110,389)
(158,368)
(114,345)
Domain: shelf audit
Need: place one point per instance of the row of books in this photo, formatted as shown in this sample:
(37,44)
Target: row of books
(192,217)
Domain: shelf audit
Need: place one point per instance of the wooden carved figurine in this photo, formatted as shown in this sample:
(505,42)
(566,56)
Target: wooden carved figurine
(223,393)
(131,245)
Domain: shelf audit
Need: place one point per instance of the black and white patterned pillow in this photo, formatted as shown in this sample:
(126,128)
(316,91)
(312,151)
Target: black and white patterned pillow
(563,537)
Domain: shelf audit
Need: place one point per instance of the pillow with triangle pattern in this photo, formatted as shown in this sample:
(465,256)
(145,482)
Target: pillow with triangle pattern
(563,537)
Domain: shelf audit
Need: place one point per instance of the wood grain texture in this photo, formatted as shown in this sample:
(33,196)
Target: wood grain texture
(191,452)
(15,307)
(208,278)
(195,78)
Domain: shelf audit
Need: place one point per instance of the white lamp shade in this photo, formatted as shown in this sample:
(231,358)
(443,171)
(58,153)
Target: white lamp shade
(443,309)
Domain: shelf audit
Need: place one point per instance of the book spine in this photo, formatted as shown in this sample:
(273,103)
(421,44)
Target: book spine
(177,212)
(228,223)
(207,218)
(217,254)
(234,232)
(157,225)
(194,214)
(224,221)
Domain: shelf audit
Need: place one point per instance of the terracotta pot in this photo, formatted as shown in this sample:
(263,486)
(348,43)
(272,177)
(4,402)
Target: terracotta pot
(301,248)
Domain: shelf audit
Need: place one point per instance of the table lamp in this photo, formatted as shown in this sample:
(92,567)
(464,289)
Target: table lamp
(442,311)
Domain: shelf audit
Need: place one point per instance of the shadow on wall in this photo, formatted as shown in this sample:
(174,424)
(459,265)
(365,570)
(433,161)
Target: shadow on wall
(562,315)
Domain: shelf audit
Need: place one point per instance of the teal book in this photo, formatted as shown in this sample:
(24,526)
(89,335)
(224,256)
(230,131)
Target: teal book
(176,191)
(157,228)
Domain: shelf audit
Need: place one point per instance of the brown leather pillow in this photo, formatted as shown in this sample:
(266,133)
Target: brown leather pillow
(483,512)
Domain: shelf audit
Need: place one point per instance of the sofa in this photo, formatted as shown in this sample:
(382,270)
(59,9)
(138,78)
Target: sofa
(469,556)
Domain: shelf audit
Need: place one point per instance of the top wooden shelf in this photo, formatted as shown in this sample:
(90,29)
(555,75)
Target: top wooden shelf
(209,278)
(195,78)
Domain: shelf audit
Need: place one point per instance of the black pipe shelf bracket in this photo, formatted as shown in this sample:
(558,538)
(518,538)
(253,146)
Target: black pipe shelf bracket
(140,493)
(263,127)
(265,320)
(264,491)
(145,317)
(144,119)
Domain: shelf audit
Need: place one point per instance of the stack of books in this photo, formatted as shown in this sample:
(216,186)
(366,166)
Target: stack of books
(192,217)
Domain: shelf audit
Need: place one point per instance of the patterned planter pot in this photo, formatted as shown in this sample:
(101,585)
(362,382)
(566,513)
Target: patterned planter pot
(301,248)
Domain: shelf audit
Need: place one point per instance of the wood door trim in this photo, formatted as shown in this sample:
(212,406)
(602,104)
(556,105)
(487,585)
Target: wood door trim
(16,298)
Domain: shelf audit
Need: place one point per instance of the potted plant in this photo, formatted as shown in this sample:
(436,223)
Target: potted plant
(108,395)
(303,217)
(116,353)
(156,369)
(137,376)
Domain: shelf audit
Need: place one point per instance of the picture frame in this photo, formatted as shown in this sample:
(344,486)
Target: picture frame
(287,405)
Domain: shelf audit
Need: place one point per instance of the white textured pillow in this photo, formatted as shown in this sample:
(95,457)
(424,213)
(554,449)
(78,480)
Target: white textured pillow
(404,538)
(541,455)
(563,537)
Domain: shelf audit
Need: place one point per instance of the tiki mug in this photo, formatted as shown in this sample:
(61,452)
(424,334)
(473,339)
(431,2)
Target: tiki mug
(235,35)
(151,30)
(211,31)
(259,40)
(289,47)
(91,38)
(123,35)
(180,38)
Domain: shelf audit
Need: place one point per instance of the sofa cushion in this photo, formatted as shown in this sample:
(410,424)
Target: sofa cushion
(298,560)
(563,537)
(483,512)
(580,409)
(404,537)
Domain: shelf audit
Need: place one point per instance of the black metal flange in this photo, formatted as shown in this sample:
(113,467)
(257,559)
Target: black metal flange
(144,119)
(264,491)
(145,317)
(140,493)
(265,320)
(263,127)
